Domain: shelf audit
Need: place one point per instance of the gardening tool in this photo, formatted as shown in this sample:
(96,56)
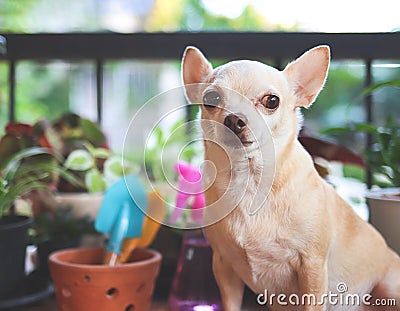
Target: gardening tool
(190,185)
(121,214)
(151,224)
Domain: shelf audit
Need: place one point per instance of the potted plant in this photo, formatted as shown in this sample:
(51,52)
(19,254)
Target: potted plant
(97,278)
(31,163)
(383,160)
(89,159)
(83,283)
(23,172)
(81,149)
(97,168)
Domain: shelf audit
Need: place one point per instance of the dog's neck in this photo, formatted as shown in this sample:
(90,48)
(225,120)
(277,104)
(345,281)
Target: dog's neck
(263,180)
(294,158)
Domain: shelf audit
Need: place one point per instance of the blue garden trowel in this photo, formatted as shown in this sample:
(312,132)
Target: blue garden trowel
(121,214)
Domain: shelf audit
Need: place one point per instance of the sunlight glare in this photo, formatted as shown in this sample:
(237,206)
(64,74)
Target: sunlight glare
(316,15)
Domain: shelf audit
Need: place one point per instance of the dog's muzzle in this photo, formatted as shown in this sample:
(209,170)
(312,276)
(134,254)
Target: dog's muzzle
(236,123)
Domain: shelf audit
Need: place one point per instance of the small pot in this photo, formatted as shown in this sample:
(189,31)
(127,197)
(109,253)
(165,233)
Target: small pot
(81,282)
(81,204)
(384,207)
(13,242)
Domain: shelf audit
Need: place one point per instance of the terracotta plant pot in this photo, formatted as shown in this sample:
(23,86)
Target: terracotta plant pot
(81,282)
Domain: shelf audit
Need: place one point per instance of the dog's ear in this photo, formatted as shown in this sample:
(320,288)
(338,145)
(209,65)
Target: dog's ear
(195,68)
(307,74)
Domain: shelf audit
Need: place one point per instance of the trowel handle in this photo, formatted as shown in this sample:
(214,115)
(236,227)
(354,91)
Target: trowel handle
(117,235)
(110,259)
(128,246)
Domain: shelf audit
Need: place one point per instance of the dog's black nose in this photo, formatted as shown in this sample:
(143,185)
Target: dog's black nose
(235,122)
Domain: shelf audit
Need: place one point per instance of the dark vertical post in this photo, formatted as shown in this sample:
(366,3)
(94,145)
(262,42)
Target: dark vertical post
(368,102)
(99,90)
(11,90)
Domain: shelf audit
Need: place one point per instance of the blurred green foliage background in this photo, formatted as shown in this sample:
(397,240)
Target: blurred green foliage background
(48,89)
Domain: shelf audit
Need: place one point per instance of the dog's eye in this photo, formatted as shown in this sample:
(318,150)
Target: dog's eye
(270,102)
(211,99)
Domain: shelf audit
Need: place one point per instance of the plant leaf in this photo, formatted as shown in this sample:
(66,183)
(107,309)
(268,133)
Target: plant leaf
(365,128)
(92,133)
(114,166)
(79,160)
(94,181)
(330,151)
(377,86)
(14,163)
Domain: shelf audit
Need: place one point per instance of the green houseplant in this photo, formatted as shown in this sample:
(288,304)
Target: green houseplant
(36,165)
(87,156)
(81,151)
(25,171)
(383,160)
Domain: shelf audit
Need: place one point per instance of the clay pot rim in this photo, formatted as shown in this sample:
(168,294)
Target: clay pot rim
(78,195)
(18,222)
(384,194)
(54,258)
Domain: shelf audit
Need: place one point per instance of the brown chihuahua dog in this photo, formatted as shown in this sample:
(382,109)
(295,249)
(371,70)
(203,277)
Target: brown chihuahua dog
(274,224)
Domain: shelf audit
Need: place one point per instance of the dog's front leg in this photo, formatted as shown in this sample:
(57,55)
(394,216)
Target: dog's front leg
(231,287)
(313,282)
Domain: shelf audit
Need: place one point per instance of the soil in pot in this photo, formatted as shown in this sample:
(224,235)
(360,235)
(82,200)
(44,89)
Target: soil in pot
(82,283)
(13,242)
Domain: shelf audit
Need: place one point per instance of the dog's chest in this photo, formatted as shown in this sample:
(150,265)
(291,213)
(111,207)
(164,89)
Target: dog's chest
(254,245)
(259,257)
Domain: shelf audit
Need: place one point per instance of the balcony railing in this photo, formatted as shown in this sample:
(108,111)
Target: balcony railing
(100,47)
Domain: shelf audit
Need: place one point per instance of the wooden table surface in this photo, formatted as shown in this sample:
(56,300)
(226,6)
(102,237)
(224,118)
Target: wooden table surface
(50,304)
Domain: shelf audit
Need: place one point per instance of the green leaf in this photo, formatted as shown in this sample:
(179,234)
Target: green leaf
(384,140)
(101,153)
(336,130)
(188,153)
(94,181)
(365,128)
(394,156)
(79,160)
(92,133)
(23,154)
(15,190)
(377,86)
(60,171)
(114,166)
(158,133)
(14,163)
